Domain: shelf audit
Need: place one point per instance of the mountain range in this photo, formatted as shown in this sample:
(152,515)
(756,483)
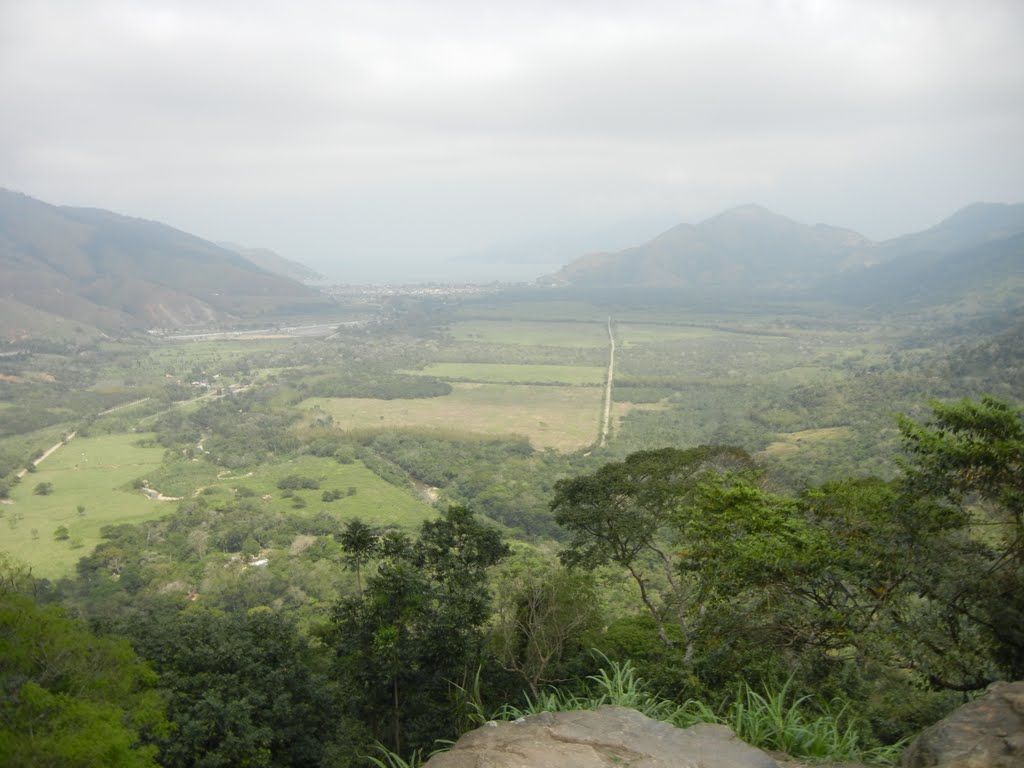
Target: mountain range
(100,271)
(71,271)
(751,252)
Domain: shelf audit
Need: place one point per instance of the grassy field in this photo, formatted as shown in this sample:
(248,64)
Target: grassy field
(204,352)
(565,418)
(93,472)
(791,443)
(97,473)
(157,364)
(644,333)
(374,500)
(805,374)
(531,333)
(498,373)
(496,308)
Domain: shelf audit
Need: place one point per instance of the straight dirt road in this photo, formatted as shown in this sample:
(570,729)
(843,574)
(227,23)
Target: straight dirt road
(47,453)
(607,420)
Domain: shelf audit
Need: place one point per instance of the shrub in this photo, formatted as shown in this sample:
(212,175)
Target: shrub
(298,482)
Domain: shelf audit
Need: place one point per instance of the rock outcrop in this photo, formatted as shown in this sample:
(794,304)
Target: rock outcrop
(985,733)
(604,738)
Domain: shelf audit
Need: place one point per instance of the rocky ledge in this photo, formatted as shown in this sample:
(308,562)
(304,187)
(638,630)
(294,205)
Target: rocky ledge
(985,733)
(602,738)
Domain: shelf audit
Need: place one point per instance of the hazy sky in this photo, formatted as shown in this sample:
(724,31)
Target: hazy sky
(374,140)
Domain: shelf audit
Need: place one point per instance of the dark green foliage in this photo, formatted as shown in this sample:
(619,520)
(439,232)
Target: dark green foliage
(863,584)
(235,431)
(297,482)
(628,512)
(416,633)
(635,639)
(68,697)
(501,478)
(43,489)
(242,689)
(361,543)
(969,457)
(544,616)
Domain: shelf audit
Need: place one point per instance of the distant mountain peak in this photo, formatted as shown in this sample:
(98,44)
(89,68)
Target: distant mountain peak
(747,249)
(985,215)
(272,262)
(746,211)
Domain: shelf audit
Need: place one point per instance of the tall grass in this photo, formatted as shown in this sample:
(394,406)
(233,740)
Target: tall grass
(616,684)
(800,726)
(797,725)
(389,759)
(779,720)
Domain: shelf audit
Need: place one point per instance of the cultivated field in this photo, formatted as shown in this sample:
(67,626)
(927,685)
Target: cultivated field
(631,334)
(532,333)
(498,373)
(564,418)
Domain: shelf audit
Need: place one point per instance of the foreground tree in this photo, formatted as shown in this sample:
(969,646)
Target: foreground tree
(631,513)
(360,543)
(242,689)
(415,637)
(543,615)
(68,697)
(969,457)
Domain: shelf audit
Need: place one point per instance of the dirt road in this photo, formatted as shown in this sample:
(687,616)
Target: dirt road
(47,453)
(607,420)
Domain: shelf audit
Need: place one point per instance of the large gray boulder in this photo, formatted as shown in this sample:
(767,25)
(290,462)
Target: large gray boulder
(603,738)
(985,733)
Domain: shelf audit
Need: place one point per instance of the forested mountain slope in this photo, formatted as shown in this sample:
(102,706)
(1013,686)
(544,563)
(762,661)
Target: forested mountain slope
(744,250)
(273,262)
(114,272)
(752,253)
(976,254)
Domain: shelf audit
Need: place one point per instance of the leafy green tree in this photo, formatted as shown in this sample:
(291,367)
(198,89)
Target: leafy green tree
(242,689)
(544,614)
(69,697)
(43,489)
(629,513)
(970,457)
(416,634)
(360,543)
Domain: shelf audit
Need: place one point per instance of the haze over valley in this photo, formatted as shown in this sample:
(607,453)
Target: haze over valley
(374,374)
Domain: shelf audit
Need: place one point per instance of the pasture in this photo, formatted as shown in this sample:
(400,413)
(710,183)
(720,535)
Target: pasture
(532,333)
(630,334)
(499,373)
(363,494)
(498,308)
(564,418)
(791,443)
(93,472)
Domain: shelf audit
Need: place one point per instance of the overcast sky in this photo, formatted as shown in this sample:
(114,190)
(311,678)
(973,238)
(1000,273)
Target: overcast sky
(378,140)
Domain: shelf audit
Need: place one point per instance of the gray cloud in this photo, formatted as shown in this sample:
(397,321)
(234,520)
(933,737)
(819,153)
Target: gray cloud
(360,137)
